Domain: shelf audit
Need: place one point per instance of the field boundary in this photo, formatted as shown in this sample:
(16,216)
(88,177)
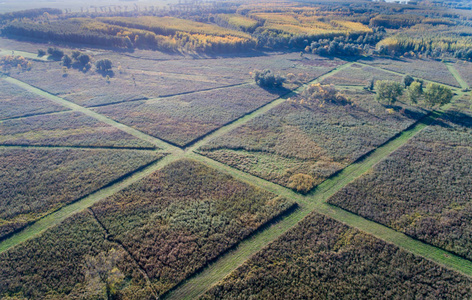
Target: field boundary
(464,85)
(403,74)
(315,201)
(20,146)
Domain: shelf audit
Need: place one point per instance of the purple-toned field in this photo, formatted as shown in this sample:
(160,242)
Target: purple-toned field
(360,75)
(15,102)
(422,189)
(465,70)
(182,119)
(137,78)
(36,182)
(66,129)
(422,68)
(313,140)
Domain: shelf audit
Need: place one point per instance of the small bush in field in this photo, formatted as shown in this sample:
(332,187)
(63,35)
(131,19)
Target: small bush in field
(302,183)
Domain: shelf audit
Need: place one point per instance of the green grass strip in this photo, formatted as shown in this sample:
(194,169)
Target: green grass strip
(67,211)
(237,123)
(457,76)
(315,201)
(93,114)
(32,56)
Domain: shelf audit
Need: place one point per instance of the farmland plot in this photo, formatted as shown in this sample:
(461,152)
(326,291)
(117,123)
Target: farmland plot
(422,189)
(37,182)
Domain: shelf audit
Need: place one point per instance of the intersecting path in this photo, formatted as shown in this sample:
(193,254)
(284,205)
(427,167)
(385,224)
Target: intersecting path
(313,202)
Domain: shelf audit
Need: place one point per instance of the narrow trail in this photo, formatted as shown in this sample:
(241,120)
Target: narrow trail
(313,202)
(457,76)
(140,268)
(86,202)
(49,147)
(403,74)
(316,202)
(136,133)
(35,115)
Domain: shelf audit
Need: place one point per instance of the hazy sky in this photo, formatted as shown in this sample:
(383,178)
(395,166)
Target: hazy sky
(75,5)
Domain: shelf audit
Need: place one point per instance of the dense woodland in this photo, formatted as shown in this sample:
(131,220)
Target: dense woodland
(341,28)
(324,259)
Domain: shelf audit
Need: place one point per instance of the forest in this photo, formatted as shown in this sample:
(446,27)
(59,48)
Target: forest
(327,29)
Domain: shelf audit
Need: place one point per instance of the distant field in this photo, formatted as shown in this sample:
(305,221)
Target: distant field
(90,88)
(360,75)
(66,129)
(324,259)
(63,263)
(182,119)
(143,78)
(37,182)
(178,219)
(423,189)
(423,68)
(15,102)
(318,141)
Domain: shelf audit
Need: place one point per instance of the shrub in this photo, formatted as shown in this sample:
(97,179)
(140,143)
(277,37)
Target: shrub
(55,54)
(302,183)
(104,65)
(268,79)
(318,93)
(66,60)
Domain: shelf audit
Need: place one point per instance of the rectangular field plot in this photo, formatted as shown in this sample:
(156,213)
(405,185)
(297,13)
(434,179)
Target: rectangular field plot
(237,69)
(36,182)
(324,259)
(300,145)
(66,129)
(424,188)
(422,68)
(90,88)
(180,218)
(65,263)
(16,102)
(147,78)
(182,119)
(360,75)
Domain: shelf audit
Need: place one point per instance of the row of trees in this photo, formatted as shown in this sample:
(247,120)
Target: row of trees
(434,95)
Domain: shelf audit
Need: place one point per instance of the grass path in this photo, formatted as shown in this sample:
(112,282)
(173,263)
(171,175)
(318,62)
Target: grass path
(60,215)
(315,201)
(136,133)
(86,202)
(237,123)
(32,56)
(457,76)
